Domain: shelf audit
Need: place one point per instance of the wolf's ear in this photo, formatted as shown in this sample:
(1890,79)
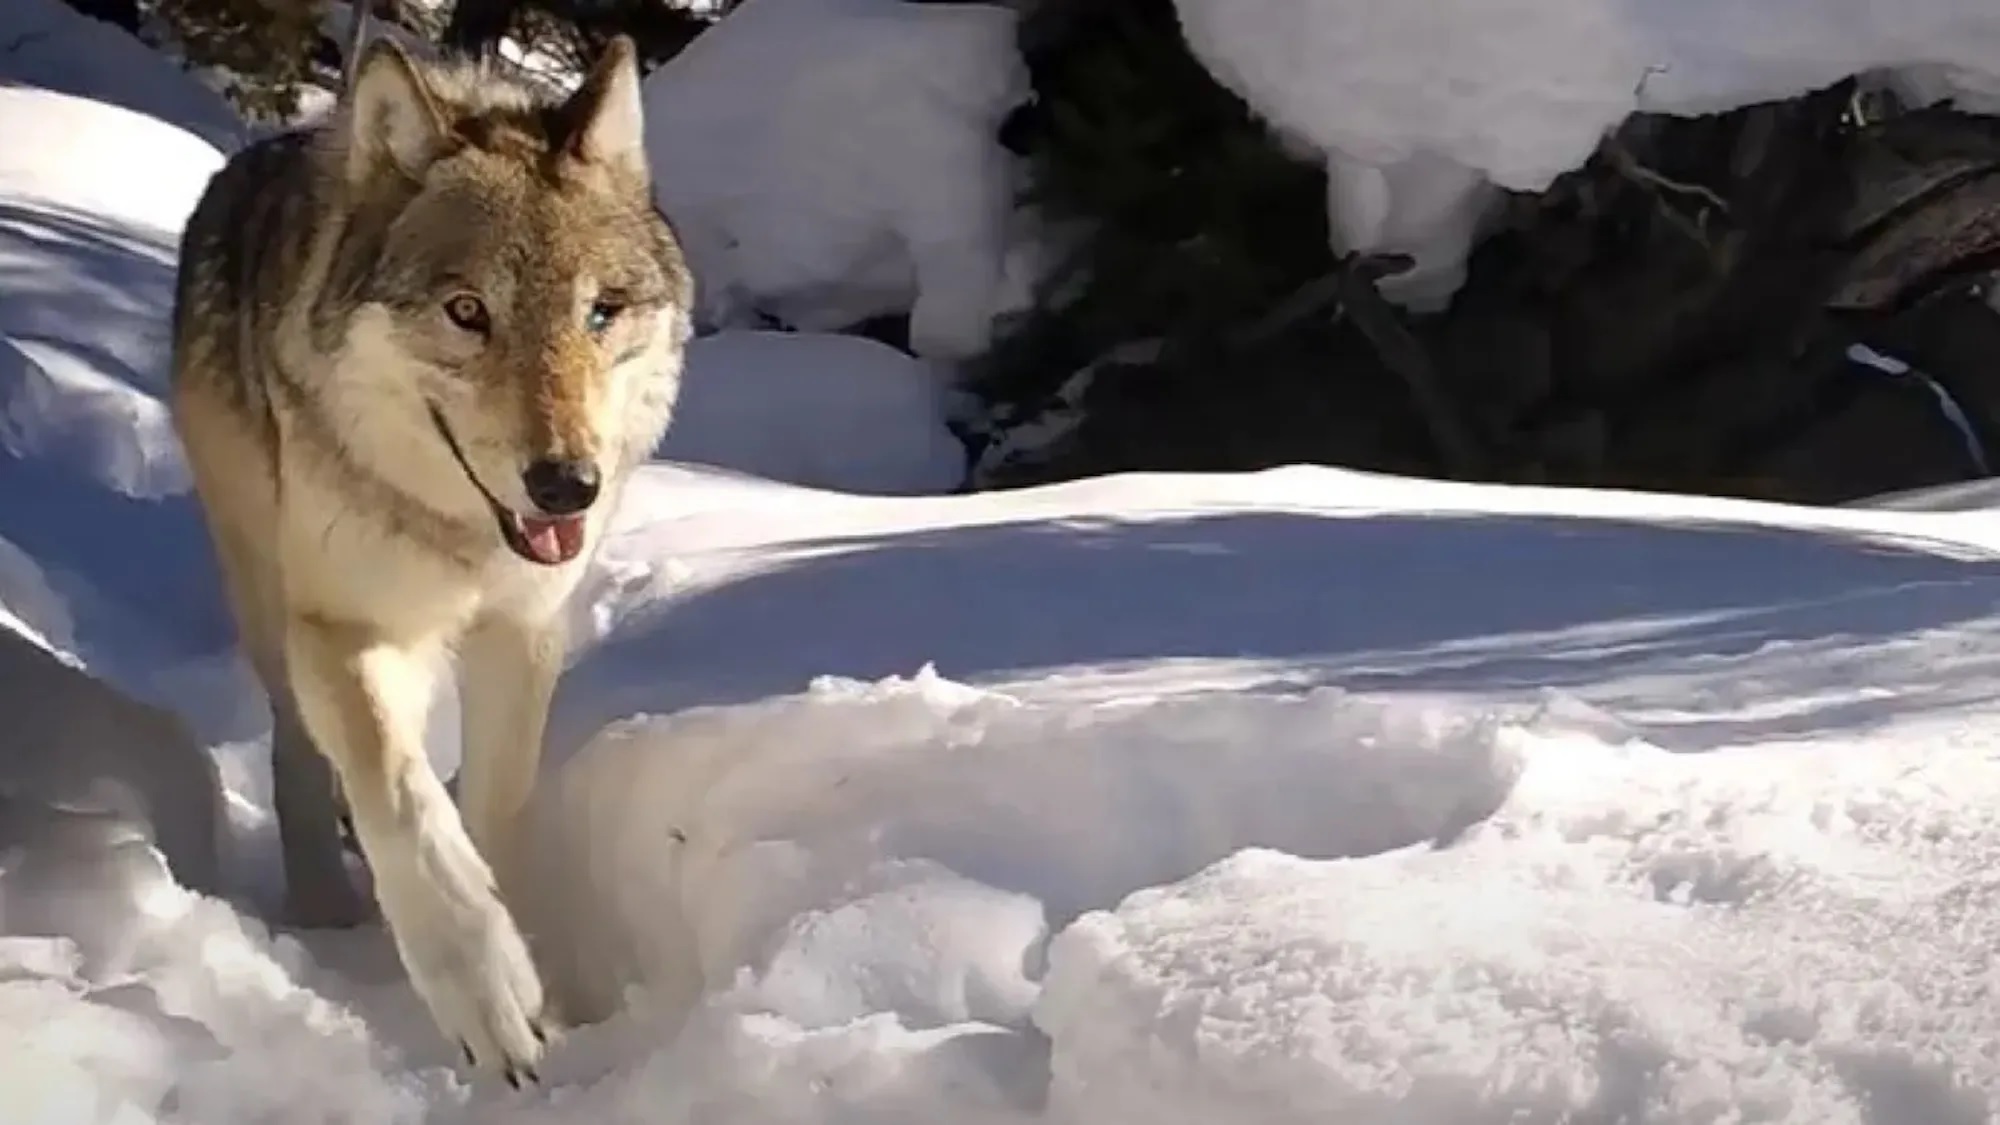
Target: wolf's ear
(607,118)
(391,116)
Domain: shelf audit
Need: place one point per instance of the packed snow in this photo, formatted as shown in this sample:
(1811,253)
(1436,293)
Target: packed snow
(1295,796)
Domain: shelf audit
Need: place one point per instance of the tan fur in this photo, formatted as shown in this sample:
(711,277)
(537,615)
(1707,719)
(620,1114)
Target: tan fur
(358,453)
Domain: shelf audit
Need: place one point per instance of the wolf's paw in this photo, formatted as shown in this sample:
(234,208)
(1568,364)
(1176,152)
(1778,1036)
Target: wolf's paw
(469,962)
(484,992)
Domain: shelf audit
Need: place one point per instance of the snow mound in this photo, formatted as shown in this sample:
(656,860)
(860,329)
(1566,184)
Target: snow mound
(904,846)
(86,280)
(1784,935)
(1421,108)
(834,412)
(827,161)
(48,44)
(93,488)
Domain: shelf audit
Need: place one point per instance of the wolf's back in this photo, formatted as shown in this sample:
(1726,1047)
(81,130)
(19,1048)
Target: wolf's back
(242,261)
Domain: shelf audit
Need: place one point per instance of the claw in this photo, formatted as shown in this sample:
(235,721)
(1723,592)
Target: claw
(521,1074)
(465,1049)
(541,1034)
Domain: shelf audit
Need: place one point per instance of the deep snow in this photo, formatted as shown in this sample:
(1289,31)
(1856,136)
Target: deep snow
(1279,797)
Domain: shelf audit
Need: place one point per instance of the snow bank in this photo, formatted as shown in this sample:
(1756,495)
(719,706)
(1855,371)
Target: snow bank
(841,413)
(48,44)
(827,161)
(92,482)
(732,590)
(1420,108)
(86,281)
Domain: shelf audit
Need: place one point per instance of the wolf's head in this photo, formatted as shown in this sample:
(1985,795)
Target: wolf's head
(501,281)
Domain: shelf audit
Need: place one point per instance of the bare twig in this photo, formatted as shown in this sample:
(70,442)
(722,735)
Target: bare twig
(1627,165)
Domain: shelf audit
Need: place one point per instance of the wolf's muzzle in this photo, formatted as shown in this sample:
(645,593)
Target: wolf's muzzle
(549,541)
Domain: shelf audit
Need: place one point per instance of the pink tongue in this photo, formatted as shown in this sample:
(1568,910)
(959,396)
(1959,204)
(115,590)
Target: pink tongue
(553,541)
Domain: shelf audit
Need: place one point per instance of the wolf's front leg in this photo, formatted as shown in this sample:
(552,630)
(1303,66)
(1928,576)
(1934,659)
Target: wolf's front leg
(365,700)
(507,675)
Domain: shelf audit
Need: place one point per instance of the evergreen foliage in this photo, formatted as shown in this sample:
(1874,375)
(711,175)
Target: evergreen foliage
(1182,219)
(266,47)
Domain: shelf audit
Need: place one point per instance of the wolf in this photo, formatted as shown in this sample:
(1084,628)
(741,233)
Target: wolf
(418,348)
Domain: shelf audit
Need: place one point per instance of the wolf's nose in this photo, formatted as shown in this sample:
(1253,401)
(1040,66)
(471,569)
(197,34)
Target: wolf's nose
(561,487)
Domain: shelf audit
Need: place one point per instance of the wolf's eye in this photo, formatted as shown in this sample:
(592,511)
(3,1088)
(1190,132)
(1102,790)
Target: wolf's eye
(469,313)
(602,312)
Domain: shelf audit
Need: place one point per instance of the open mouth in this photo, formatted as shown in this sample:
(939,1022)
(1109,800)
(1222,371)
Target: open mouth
(547,540)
